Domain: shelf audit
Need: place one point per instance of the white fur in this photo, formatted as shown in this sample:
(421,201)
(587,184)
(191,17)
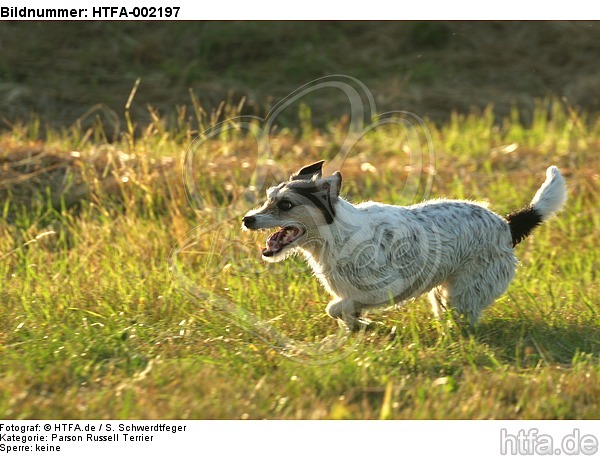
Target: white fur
(375,254)
(552,195)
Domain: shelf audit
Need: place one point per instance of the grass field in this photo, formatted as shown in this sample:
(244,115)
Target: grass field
(93,325)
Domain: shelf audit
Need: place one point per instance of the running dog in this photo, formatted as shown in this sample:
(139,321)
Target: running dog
(370,254)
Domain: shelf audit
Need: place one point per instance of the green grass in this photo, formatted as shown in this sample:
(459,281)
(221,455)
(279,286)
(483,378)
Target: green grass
(93,326)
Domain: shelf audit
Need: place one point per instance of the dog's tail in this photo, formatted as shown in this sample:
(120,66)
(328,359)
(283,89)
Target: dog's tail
(548,200)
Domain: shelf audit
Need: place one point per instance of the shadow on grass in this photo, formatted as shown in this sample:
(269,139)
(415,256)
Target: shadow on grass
(526,343)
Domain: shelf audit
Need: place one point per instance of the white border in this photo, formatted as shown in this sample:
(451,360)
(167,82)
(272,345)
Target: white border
(289,438)
(329,10)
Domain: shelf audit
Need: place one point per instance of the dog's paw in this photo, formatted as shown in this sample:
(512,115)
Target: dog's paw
(334,309)
(354,324)
(347,315)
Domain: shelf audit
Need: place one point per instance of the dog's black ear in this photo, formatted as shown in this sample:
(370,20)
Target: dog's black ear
(309,172)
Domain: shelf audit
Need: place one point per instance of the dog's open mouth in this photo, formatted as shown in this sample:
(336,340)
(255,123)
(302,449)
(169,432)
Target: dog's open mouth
(278,240)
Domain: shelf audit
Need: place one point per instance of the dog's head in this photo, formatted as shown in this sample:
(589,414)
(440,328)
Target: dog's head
(298,208)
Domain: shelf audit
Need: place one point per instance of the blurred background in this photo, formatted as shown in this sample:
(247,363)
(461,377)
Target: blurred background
(67,72)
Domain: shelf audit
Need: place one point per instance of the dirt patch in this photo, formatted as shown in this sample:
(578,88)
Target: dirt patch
(37,177)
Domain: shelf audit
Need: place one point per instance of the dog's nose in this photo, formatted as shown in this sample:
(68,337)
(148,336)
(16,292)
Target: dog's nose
(249,221)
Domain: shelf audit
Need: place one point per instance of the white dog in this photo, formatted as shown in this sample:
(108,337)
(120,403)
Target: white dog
(371,254)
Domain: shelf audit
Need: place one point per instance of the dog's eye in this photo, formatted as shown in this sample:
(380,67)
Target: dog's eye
(285,205)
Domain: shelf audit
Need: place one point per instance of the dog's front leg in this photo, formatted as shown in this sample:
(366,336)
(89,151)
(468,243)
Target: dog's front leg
(347,313)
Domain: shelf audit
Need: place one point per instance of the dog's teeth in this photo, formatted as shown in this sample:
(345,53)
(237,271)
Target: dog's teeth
(279,240)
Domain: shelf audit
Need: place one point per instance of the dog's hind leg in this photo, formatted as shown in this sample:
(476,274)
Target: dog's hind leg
(476,288)
(347,313)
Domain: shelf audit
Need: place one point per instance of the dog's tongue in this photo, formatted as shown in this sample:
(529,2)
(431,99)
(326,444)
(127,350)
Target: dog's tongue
(279,240)
(274,244)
